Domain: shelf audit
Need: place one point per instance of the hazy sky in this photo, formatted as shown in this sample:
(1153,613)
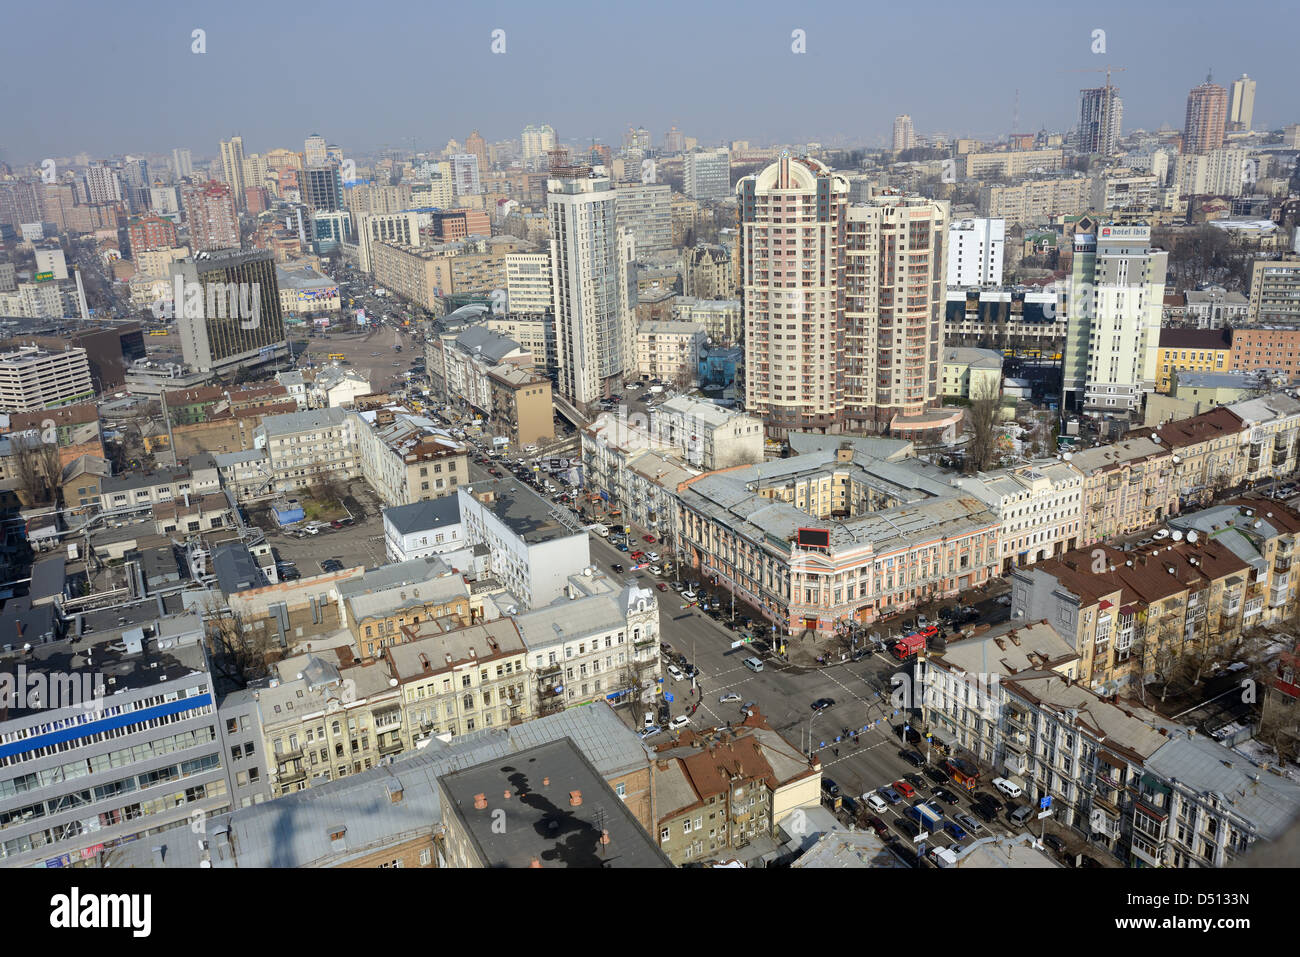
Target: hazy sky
(115,78)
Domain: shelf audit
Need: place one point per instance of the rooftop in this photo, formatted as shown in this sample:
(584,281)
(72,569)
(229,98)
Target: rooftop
(560,813)
(521,510)
(424,516)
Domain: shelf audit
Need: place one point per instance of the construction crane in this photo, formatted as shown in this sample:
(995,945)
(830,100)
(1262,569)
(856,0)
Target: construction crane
(1108,98)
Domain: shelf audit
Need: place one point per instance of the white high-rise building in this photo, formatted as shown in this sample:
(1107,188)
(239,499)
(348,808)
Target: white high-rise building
(975,249)
(315,150)
(232,167)
(904,135)
(182,162)
(102,185)
(1101,120)
(707,174)
(465,174)
(593,281)
(1242,111)
(1114,308)
(537,142)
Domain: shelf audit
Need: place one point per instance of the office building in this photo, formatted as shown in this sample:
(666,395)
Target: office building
(33,378)
(707,174)
(321,188)
(238,321)
(535,548)
(975,249)
(1241,112)
(1101,117)
(232,166)
(1114,305)
(211,217)
(904,135)
(591,274)
(1207,114)
(96,764)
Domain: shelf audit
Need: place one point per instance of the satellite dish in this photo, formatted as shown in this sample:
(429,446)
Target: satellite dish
(1258,524)
(1177,536)
(1067,456)
(1192,536)
(1155,438)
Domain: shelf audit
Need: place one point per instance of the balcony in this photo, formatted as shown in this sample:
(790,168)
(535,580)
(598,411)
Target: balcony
(286,778)
(1281,564)
(392,747)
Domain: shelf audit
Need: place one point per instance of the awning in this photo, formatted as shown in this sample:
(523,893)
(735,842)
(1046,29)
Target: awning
(1105,604)
(1126,609)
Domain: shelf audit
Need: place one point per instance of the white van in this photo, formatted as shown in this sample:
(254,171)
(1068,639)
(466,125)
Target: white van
(754,664)
(600,530)
(1009,788)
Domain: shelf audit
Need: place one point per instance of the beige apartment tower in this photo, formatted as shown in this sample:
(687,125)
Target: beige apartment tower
(791,252)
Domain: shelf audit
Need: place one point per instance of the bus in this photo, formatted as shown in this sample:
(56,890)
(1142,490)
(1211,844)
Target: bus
(337,356)
(157,332)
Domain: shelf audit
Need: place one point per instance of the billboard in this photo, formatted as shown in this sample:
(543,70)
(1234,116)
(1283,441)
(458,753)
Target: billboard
(814,538)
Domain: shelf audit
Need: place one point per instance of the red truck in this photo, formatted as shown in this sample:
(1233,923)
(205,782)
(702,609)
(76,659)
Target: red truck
(908,647)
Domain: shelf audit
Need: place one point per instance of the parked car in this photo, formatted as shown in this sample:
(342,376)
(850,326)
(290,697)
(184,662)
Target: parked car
(908,827)
(680,721)
(905,789)
(648,719)
(936,774)
(943,794)
(830,788)
(915,780)
(876,802)
(821,704)
(1020,815)
(912,758)
(729,697)
(1009,788)
(954,830)
(890,795)
(675,673)
(618,569)
(875,823)
(649,539)
(662,586)
(983,812)
(1054,842)
(968,823)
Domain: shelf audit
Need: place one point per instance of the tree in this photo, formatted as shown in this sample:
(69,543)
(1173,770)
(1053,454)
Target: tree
(981,423)
(237,657)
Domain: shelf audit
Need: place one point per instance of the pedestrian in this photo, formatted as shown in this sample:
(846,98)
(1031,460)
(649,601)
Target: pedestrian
(837,751)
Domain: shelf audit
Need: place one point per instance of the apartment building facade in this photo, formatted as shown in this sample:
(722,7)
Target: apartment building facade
(669,351)
(404,458)
(32,379)
(1127,486)
(303,448)
(1040,508)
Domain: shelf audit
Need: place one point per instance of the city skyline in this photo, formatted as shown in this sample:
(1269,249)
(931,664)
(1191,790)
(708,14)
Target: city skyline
(1158,75)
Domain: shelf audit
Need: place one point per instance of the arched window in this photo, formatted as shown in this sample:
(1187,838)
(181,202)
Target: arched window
(469,702)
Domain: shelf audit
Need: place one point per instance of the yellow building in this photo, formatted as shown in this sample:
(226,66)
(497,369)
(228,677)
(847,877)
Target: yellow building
(971,373)
(1191,350)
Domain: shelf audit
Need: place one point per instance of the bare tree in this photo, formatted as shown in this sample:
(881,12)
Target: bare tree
(237,657)
(981,423)
(27,471)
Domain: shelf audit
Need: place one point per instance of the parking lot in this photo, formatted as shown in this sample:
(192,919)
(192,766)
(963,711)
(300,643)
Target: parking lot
(385,369)
(360,544)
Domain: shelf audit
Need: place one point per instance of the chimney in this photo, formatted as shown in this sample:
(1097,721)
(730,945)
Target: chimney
(480,802)
(575,799)
(546,782)
(18,624)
